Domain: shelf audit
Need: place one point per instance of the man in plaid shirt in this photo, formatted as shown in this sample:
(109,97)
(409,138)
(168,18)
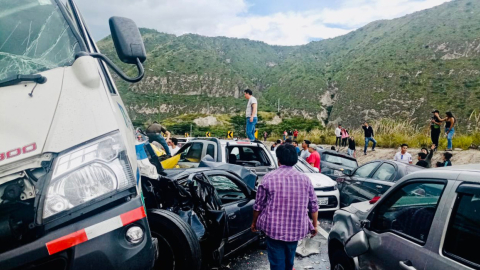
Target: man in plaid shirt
(283,201)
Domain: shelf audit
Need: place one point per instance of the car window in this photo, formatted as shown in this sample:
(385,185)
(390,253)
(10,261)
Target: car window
(463,233)
(192,153)
(211,150)
(365,170)
(226,189)
(385,172)
(339,160)
(250,156)
(409,210)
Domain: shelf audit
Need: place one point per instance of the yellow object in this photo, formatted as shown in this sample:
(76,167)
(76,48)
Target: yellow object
(256,133)
(230,134)
(158,152)
(207,134)
(171,162)
(187,135)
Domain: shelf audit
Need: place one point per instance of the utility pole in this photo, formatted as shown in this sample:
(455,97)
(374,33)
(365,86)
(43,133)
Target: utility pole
(208,108)
(278,104)
(191,130)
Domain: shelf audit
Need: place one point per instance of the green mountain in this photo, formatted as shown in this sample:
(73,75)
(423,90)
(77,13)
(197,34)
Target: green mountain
(401,68)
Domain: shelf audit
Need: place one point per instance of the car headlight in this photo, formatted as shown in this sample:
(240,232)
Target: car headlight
(88,172)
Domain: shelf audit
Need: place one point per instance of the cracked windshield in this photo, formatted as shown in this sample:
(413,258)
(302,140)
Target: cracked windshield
(34,37)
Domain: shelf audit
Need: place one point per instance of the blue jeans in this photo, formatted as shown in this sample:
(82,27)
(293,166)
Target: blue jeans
(450,137)
(367,140)
(281,254)
(350,152)
(155,137)
(251,128)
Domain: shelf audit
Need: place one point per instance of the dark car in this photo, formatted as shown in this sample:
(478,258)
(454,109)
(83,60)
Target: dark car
(371,180)
(333,163)
(200,215)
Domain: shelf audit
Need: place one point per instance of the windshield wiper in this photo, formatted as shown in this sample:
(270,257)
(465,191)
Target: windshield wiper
(23,78)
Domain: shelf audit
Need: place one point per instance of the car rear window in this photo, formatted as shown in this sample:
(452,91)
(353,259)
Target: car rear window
(250,156)
(339,160)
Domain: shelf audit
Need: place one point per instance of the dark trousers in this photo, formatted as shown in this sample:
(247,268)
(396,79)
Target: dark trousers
(344,142)
(281,254)
(338,142)
(154,137)
(435,135)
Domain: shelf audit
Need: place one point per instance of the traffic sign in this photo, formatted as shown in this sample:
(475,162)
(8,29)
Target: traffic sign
(186,135)
(230,134)
(256,133)
(207,134)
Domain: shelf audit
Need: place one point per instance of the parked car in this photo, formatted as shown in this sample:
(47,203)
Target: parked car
(371,180)
(326,189)
(428,220)
(200,215)
(252,155)
(333,163)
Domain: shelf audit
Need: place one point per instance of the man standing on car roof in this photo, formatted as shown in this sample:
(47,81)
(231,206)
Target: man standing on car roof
(280,209)
(154,134)
(251,114)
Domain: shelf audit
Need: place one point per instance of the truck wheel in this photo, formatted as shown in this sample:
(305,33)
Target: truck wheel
(178,246)
(341,261)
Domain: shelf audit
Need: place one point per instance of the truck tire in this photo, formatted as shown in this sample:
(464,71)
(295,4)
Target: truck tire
(178,245)
(341,261)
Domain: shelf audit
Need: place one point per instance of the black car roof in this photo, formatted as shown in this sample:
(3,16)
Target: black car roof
(337,154)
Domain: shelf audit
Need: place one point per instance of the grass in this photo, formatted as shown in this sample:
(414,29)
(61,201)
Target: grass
(391,134)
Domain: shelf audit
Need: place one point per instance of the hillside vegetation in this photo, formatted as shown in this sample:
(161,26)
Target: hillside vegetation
(397,69)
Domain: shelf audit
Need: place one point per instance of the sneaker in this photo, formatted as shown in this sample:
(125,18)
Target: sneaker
(365,153)
(373,149)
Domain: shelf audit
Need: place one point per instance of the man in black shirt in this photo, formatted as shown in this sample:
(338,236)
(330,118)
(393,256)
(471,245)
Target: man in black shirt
(421,160)
(435,128)
(154,133)
(368,137)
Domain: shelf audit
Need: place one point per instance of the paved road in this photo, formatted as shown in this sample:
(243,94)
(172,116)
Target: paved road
(255,257)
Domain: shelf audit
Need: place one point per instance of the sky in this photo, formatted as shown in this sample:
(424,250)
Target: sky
(276,22)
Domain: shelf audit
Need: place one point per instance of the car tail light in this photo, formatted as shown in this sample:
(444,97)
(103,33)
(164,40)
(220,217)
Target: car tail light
(375,199)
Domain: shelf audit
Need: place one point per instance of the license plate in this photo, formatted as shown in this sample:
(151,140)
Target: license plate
(322,201)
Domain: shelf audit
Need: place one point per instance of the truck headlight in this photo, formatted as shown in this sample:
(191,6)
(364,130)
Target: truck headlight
(88,172)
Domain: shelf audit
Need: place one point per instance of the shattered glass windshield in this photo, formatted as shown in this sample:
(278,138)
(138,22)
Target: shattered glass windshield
(34,37)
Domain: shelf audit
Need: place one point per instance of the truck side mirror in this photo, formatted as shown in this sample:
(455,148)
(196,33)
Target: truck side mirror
(357,245)
(127,40)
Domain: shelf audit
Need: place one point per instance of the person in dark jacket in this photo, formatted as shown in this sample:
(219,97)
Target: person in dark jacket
(421,160)
(446,159)
(429,154)
(154,134)
(351,147)
(368,137)
(435,127)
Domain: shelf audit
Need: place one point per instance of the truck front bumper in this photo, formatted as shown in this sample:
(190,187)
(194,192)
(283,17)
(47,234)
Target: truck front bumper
(96,242)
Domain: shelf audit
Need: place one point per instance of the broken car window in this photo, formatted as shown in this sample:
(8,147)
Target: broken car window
(35,37)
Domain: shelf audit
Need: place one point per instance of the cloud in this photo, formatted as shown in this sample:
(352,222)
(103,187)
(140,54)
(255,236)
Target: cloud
(231,18)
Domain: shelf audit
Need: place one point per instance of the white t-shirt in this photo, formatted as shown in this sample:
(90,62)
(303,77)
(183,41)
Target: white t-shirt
(406,158)
(338,132)
(252,100)
(173,152)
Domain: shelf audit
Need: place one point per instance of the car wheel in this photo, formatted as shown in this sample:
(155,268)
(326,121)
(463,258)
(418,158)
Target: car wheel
(341,261)
(178,246)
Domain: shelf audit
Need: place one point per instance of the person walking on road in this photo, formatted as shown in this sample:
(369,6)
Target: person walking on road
(351,147)
(314,158)
(368,137)
(283,201)
(435,127)
(338,135)
(305,153)
(265,135)
(154,134)
(345,136)
(251,114)
(450,122)
(403,156)
(295,134)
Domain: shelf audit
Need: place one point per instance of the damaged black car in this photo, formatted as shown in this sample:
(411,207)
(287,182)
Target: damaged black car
(199,215)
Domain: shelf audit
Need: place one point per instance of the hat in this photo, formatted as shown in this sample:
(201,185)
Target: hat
(312,145)
(436,111)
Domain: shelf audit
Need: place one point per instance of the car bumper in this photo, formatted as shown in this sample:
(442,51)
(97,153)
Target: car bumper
(333,200)
(104,248)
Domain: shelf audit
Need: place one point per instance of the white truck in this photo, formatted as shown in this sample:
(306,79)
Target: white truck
(69,182)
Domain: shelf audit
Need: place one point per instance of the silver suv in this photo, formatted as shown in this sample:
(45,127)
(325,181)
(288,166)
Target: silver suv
(430,219)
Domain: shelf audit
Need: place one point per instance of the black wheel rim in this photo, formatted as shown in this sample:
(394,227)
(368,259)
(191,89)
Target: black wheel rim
(166,255)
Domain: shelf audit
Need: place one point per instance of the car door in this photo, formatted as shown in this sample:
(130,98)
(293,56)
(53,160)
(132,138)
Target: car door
(352,189)
(191,154)
(458,249)
(400,226)
(380,181)
(238,202)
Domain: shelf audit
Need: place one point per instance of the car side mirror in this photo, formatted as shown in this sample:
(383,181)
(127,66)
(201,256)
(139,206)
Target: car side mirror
(127,40)
(347,172)
(357,245)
